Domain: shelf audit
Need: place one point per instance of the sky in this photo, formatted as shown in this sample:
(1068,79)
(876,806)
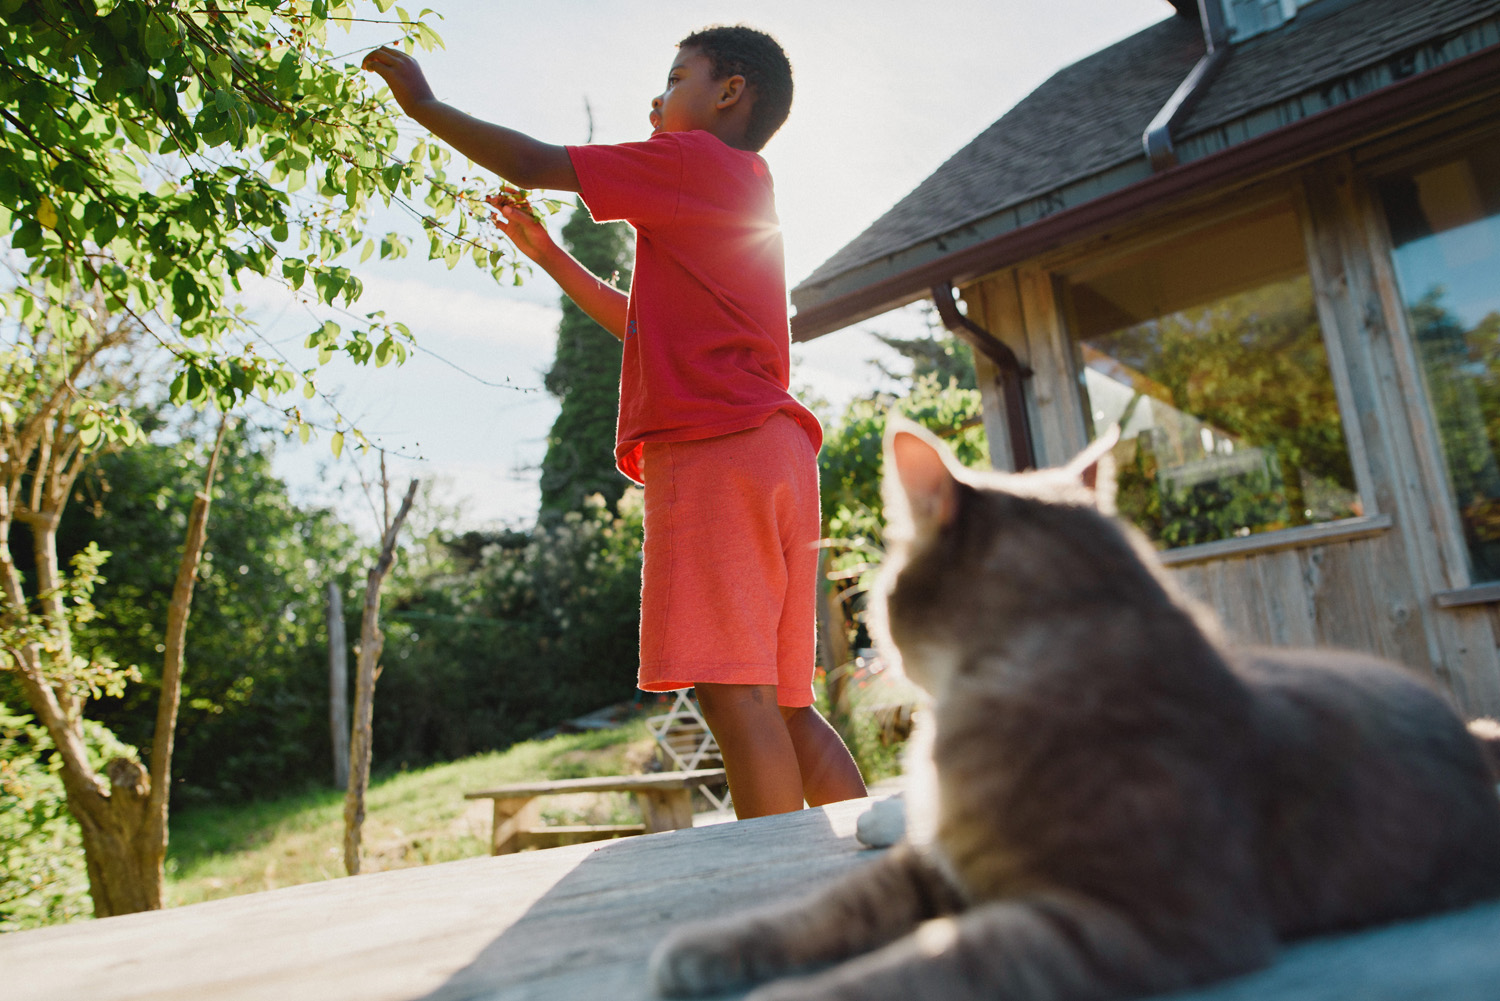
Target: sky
(885,92)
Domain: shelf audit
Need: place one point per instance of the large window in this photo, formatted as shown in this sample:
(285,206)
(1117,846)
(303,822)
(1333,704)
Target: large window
(1208,352)
(1444,219)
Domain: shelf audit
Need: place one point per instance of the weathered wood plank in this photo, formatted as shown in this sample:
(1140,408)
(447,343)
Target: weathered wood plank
(1394,615)
(1059,428)
(997,303)
(1338,605)
(1289,606)
(560,924)
(1475,660)
(603,783)
(558,835)
(580,922)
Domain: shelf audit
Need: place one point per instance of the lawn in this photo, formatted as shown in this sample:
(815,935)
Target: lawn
(411,818)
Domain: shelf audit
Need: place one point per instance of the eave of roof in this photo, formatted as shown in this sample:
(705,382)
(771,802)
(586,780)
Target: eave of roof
(1314,97)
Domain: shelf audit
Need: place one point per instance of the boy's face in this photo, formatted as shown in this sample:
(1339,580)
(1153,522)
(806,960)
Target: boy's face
(693,98)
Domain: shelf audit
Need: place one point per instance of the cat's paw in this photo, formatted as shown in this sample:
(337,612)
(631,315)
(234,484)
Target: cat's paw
(696,962)
(883,824)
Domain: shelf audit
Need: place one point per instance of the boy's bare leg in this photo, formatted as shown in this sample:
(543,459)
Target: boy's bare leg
(760,759)
(829,774)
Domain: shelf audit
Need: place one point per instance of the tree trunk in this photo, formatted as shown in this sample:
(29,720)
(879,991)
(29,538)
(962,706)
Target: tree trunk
(371,641)
(338,685)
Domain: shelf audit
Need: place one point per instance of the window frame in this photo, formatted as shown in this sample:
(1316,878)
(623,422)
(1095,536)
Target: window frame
(1375,165)
(1286,192)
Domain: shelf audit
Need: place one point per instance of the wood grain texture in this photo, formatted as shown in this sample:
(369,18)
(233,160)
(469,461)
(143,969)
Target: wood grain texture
(580,922)
(603,783)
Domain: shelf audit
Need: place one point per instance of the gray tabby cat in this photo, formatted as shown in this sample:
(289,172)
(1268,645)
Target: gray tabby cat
(1120,805)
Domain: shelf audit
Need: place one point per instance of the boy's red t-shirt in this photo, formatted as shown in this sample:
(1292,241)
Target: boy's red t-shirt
(707,343)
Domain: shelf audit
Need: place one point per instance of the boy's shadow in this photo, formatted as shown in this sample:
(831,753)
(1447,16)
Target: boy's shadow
(588,938)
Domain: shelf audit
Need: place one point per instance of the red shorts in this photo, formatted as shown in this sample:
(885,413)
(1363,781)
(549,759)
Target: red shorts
(729,587)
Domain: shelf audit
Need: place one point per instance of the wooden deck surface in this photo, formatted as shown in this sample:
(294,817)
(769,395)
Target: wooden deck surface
(579,922)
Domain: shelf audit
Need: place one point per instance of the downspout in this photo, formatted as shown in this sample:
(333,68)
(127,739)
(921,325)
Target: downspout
(1012,372)
(1158,136)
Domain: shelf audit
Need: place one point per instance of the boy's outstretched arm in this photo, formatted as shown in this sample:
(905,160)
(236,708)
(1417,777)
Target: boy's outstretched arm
(517,157)
(604,303)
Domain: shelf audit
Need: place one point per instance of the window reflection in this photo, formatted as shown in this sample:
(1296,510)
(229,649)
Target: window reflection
(1445,226)
(1208,352)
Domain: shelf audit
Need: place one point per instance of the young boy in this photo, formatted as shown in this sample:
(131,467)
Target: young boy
(727,455)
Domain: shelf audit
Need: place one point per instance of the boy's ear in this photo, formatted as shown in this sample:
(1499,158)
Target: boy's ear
(921,493)
(731,91)
(1095,468)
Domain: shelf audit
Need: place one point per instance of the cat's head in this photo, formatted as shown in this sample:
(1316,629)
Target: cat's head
(973,555)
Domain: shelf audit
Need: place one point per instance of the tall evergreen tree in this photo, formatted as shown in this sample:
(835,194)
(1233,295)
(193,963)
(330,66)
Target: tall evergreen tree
(585,377)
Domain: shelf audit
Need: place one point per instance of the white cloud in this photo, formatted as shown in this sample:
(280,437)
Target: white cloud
(461,314)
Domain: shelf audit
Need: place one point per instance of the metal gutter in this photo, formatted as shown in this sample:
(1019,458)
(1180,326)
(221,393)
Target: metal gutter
(1360,118)
(1157,138)
(1012,373)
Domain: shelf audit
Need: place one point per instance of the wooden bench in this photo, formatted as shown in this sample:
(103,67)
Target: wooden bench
(665,799)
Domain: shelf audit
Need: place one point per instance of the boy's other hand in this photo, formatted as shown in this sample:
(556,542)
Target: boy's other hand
(400,73)
(513,217)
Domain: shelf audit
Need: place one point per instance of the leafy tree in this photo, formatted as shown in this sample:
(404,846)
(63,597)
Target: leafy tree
(1252,367)
(155,157)
(849,468)
(585,377)
(43,878)
(939,354)
(163,153)
(1462,366)
(513,634)
(849,464)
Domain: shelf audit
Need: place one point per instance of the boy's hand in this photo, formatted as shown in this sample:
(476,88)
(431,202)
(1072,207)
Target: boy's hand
(400,73)
(515,217)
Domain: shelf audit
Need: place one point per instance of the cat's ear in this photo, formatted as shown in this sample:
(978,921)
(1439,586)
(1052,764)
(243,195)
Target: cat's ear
(1094,467)
(921,494)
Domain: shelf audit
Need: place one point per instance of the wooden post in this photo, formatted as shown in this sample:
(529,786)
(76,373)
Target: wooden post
(338,685)
(833,644)
(665,809)
(513,816)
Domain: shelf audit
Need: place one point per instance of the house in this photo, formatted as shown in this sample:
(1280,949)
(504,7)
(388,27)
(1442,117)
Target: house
(1263,236)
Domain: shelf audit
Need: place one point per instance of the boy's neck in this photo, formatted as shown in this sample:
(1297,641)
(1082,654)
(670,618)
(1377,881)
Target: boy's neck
(731,135)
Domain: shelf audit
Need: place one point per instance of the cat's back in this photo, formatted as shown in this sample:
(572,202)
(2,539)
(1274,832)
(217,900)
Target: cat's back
(1374,801)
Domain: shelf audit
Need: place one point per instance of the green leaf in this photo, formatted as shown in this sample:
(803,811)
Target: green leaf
(337,443)
(287,70)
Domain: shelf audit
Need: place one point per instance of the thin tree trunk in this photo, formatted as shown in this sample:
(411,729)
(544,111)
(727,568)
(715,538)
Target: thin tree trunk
(371,642)
(338,685)
(165,738)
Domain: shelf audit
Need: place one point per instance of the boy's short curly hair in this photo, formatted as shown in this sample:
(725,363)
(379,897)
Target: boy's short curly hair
(755,55)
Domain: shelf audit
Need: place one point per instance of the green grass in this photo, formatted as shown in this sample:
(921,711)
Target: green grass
(411,818)
(420,817)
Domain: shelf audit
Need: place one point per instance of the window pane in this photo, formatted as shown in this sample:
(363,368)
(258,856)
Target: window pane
(1445,224)
(1208,352)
